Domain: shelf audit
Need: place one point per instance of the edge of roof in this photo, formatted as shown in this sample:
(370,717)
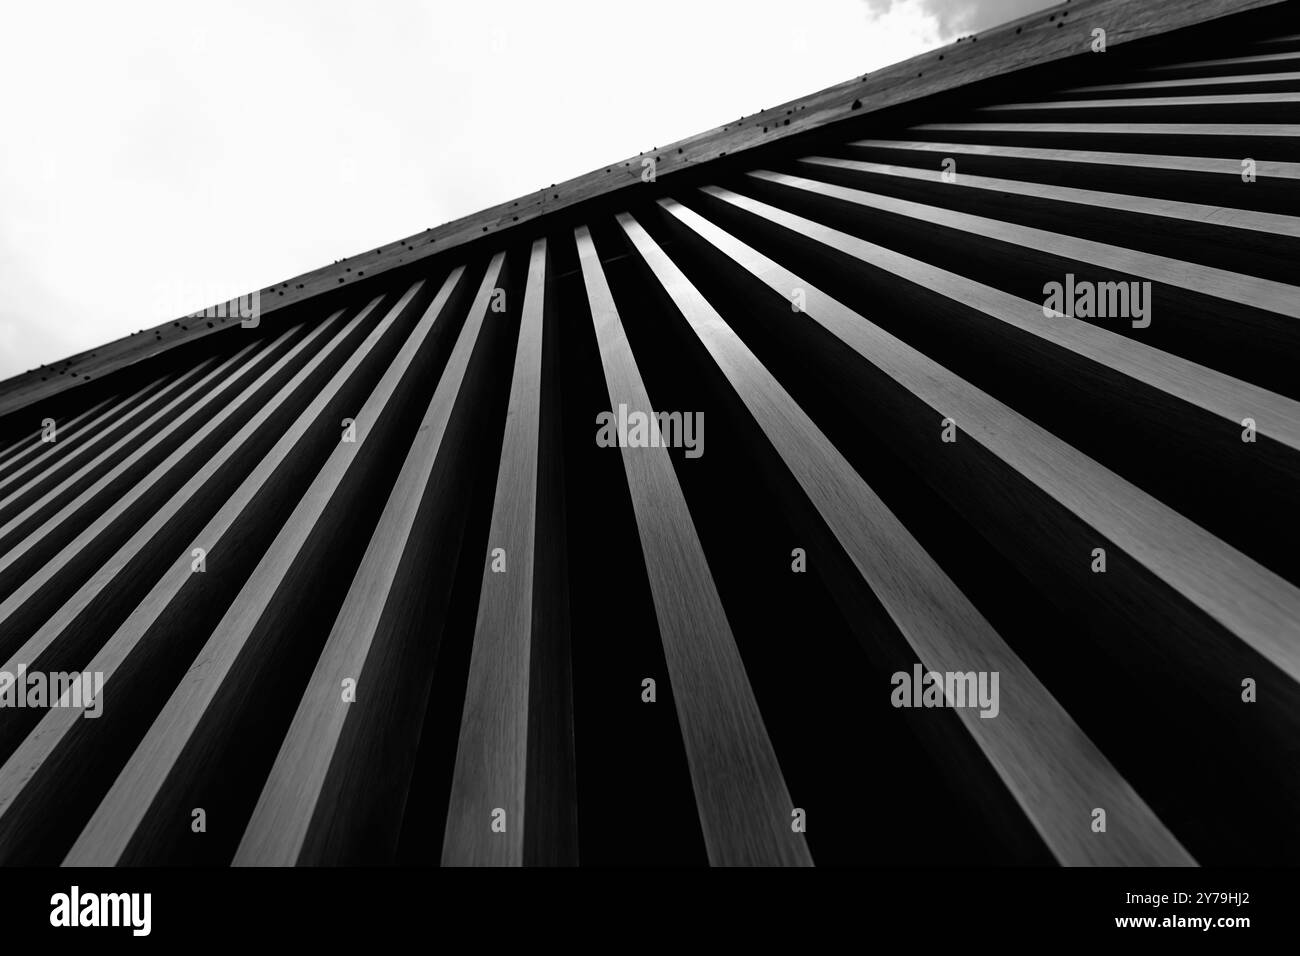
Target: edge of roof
(1028,41)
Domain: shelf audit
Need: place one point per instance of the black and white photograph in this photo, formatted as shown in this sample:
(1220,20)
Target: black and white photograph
(619,442)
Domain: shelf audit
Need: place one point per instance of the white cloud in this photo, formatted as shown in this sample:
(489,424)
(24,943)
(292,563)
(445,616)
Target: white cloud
(963,17)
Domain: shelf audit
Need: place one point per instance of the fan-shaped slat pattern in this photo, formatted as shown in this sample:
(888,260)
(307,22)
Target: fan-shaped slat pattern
(368,585)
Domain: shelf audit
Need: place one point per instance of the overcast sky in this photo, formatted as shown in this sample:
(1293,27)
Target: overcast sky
(159,156)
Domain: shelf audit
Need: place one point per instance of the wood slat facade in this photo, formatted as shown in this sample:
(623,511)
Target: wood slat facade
(364,583)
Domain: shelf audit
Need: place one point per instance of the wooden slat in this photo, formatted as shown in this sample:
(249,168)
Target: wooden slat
(196,661)
(1256,605)
(1191,164)
(136,445)
(290,804)
(1029,41)
(1204,213)
(26,767)
(70,432)
(1216,99)
(17,447)
(38,643)
(55,456)
(1257,293)
(743,802)
(1221,395)
(1046,761)
(31,443)
(492,754)
(176,400)
(1277,130)
(127,805)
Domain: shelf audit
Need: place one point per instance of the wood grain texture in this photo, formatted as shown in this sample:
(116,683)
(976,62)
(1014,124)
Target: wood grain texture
(1222,395)
(45,755)
(492,755)
(1252,603)
(1028,41)
(32,452)
(126,420)
(216,673)
(1129,102)
(1078,128)
(827,318)
(1192,164)
(1258,293)
(744,805)
(38,643)
(291,804)
(1270,223)
(131,449)
(1054,772)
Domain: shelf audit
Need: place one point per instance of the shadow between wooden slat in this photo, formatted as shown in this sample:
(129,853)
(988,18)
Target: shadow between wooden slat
(1251,602)
(314,808)
(1195,164)
(1231,286)
(33,777)
(132,448)
(73,432)
(137,809)
(493,753)
(1045,760)
(35,646)
(1186,211)
(744,805)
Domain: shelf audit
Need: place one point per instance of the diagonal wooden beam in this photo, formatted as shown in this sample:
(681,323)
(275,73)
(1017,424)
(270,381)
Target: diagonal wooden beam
(1196,212)
(129,810)
(1190,164)
(1223,284)
(492,756)
(313,791)
(1051,767)
(744,805)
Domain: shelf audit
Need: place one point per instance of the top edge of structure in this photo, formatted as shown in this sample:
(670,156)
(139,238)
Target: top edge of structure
(1049,35)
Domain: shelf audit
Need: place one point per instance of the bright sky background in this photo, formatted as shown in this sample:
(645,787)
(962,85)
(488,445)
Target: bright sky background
(160,156)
